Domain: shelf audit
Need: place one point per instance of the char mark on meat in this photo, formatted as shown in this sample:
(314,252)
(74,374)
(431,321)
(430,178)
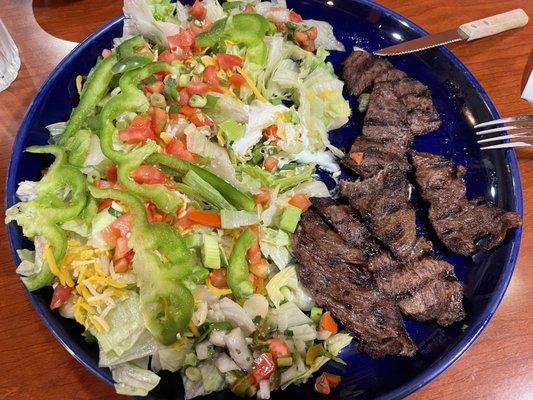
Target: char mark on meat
(383,201)
(342,219)
(368,156)
(458,222)
(334,283)
(361,69)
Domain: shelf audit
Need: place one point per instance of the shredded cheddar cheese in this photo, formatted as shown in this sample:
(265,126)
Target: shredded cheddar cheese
(250,83)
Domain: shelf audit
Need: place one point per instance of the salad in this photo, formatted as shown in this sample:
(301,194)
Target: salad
(164,224)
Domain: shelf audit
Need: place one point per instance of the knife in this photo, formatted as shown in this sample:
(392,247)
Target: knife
(470,31)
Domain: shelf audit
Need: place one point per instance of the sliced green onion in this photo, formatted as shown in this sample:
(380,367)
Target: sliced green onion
(276,101)
(234,219)
(197,23)
(232,129)
(290,218)
(210,251)
(200,274)
(190,359)
(193,374)
(208,192)
(184,80)
(170,89)
(113,212)
(316,314)
(197,100)
(284,361)
(174,109)
(158,100)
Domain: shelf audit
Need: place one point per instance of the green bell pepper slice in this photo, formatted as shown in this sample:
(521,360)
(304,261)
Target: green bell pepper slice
(238,281)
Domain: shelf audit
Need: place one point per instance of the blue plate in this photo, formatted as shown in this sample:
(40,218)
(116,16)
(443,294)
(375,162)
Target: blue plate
(461,102)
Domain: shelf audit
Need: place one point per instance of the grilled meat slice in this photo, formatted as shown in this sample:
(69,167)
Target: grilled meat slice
(383,201)
(459,223)
(368,156)
(342,219)
(371,316)
(361,69)
(415,281)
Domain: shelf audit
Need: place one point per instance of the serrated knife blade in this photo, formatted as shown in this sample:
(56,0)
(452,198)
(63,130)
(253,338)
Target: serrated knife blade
(470,31)
(423,43)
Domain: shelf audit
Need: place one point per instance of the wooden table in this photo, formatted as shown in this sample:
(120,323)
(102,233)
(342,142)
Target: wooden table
(498,366)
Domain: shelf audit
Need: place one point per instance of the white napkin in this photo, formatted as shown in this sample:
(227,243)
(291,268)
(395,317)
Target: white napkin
(527,94)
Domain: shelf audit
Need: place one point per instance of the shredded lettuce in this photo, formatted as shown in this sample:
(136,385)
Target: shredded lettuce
(286,316)
(303,376)
(325,36)
(145,345)
(274,245)
(132,380)
(170,359)
(285,286)
(334,344)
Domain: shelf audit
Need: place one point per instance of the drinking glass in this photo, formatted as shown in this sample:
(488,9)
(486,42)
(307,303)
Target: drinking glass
(9,58)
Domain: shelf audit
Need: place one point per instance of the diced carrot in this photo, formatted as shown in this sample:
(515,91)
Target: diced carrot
(301,201)
(207,218)
(357,157)
(271,163)
(327,323)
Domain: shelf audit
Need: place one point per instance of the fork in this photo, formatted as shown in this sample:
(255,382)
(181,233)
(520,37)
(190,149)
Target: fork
(519,123)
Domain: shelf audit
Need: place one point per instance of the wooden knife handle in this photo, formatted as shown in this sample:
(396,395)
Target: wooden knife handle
(492,25)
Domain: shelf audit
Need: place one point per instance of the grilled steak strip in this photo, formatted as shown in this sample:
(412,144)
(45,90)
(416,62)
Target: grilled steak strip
(425,289)
(459,223)
(383,201)
(335,283)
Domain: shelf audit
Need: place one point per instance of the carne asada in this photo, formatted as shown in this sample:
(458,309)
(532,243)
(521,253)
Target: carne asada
(458,222)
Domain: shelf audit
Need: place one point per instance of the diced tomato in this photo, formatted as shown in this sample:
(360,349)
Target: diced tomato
(121,266)
(104,203)
(121,248)
(301,201)
(312,33)
(159,119)
(183,39)
(166,56)
(101,184)
(178,148)
(184,97)
(236,80)
(197,88)
(210,76)
(272,133)
(206,218)
(154,215)
(260,269)
(254,253)
(300,37)
(278,348)
(281,27)
(271,163)
(218,278)
(148,174)
(263,367)
(322,385)
(139,131)
(184,53)
(227,61)
(122,225)
(106,53)
(295,17)
(109,237)
(333,380)
(248,9)
(156,87)
(111,173)
(60,296)
(201,119)
(198,11)
(327,323)
(263,197)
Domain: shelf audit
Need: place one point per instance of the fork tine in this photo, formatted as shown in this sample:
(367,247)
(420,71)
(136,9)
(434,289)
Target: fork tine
(525,135)
(505,120)
(507,145)
(503,128)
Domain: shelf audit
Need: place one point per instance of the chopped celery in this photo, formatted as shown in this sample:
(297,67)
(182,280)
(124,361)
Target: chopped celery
(284,361)
(316,314)
(232,129)
(208,192)
(234,219)
(210,252)
(158,100)
(197,100)
(290,218)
